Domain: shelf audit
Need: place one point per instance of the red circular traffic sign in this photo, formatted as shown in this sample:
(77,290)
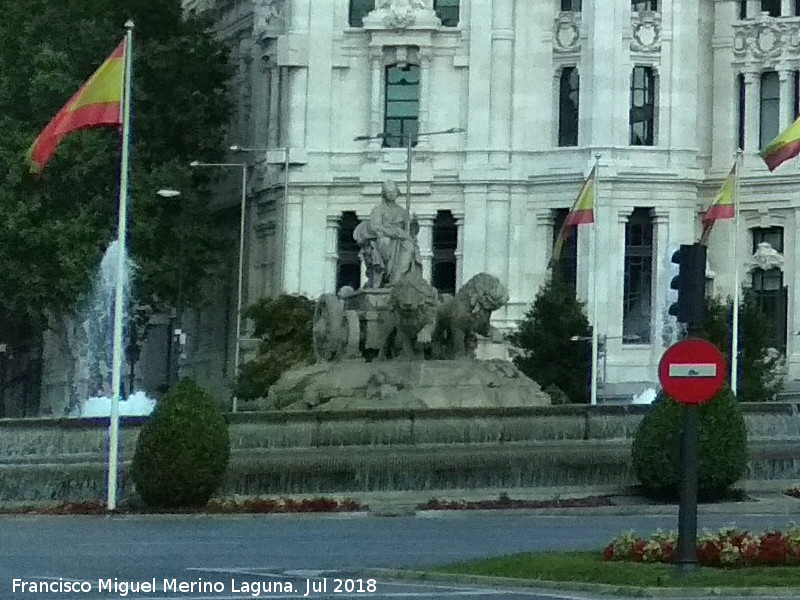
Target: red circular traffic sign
(692,371)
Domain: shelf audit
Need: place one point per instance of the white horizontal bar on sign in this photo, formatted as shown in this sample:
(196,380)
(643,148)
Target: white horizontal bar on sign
(693,370)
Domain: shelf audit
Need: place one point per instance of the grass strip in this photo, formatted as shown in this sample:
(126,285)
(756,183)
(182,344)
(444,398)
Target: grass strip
(589,567)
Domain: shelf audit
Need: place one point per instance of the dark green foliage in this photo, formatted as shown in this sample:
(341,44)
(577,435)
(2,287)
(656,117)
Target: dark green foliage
(547,353)
(182,452)
(760,366)
(284,325)
(53,229)
(722,447)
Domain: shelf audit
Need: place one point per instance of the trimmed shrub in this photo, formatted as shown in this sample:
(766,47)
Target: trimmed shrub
(722,447)
(182,451)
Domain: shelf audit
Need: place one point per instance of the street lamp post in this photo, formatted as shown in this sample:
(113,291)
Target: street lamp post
(176,333)
(242,211)
(408,138)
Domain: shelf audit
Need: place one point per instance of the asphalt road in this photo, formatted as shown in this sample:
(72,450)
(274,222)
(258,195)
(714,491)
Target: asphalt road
(286,556)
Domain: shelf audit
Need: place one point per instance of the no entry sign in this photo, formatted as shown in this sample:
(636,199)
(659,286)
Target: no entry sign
(691,371)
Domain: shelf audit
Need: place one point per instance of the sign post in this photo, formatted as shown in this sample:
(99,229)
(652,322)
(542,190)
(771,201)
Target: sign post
(691,372)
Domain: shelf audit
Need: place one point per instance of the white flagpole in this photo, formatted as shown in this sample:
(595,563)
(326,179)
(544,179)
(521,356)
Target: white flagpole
(595,335)
(119,296)
(736,286)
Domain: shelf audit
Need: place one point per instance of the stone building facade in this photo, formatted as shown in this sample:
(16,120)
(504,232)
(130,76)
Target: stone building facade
(660,92)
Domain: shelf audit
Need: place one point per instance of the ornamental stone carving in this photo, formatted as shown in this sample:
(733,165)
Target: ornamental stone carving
(765,258)
(765,39)
(399,14)
(267,19)
(646,31)
(567,31)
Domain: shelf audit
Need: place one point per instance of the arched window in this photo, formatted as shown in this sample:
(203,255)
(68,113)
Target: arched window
(568,107)
(348,264)
(445,241)
(402,105)
(643,102)
(447,11)
(637,296)
(359,10)
(770,105)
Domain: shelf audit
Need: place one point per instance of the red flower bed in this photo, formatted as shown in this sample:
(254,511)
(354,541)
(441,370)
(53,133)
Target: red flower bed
(728,547)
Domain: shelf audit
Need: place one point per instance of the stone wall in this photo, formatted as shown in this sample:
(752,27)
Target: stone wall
(282,453)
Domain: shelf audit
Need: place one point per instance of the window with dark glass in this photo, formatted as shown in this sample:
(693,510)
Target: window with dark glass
(348,265)
(567,265)
(743,9)
(637,294)
(642,5)
(568,107)
(572,5)
(447,11)
(642,110)
(773,7)
(402,105)
(359,10)
(445,241)
(796,93)
(797,8)
(770,105)
(768,286)
(742,96)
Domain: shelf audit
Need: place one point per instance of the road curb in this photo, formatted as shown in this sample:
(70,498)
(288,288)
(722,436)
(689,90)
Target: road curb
(579,586)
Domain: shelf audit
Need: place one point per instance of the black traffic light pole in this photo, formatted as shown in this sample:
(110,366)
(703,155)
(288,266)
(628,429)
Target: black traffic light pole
(690,284)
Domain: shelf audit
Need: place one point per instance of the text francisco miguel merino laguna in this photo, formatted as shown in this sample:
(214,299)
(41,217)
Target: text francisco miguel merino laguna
(252,588)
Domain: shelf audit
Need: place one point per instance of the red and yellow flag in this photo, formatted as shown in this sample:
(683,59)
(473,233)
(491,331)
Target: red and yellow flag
(784,147)
(97,103)
(581,213)
(722,207)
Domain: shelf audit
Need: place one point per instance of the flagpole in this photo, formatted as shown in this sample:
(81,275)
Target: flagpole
(735,325)
(595,335)
(119,296)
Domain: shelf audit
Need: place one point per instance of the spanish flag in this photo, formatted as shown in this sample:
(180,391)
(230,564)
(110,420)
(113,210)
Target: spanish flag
(97,103)
(722,207)
(581,213)
(784,147)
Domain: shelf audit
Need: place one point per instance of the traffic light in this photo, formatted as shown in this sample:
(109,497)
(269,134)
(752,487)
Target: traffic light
(690,284)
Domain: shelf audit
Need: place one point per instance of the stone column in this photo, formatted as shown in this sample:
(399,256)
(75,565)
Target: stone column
(753,9)
(273,120)
(459,253)
(293,244)
(786,98)
(661,277)
(540,250)
(376,97)
(474,236)
(424,123)
(786,8)
(752,89)
(501,93)
(425,239)
(331,253)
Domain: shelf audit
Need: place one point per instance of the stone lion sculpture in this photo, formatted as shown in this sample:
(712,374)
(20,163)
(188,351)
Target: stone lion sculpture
(461,317)
(413,304)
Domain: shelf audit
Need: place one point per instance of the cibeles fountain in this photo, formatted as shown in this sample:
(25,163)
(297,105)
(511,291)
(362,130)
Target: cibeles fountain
(396,343)
(92,346)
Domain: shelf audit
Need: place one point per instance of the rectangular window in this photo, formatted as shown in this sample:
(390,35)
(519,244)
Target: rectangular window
(574,5)
(796,94)
(348,264)
(445,242)
(643,5)
(742,96)
(771,235)
(358,10)
(568,97)
(770,107)
(769,288)
(642,108)
(567,266)
(447,11)
(773,7)
(637,304)
(743,9)
(402,105)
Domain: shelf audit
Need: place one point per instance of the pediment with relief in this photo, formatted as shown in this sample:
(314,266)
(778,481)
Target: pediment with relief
(400,14)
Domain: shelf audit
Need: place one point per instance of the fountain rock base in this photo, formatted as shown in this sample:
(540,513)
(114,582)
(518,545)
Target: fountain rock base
(414,384)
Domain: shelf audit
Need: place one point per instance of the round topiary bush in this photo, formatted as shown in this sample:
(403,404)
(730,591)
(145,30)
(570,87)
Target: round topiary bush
(722,447)
(182,452)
